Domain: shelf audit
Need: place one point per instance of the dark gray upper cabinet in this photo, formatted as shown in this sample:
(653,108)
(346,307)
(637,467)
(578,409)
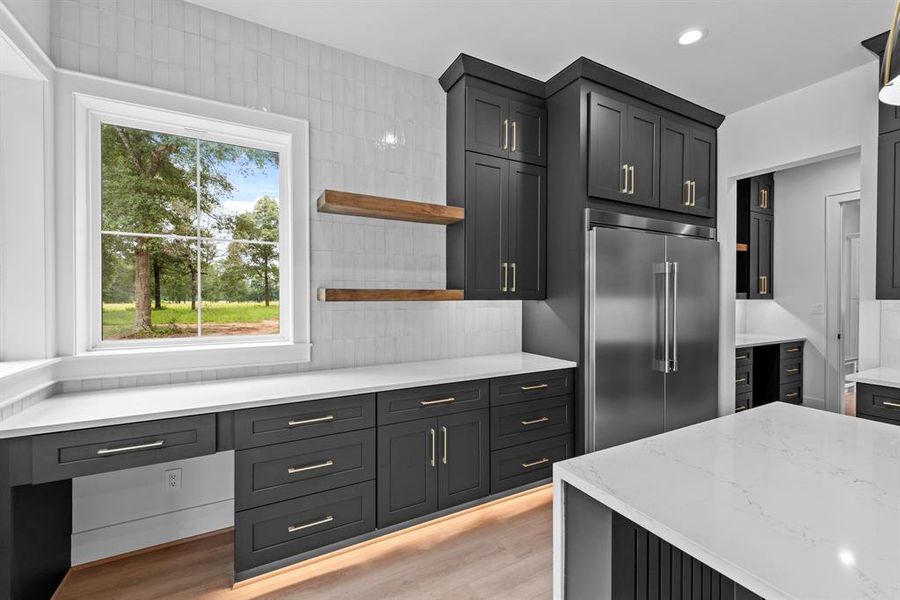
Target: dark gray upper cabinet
(486,233)
(407,471)
(607,168)
(687,169)
(642,156)
(887,259)
(527,133)
(888,117)
(487,123)
(762,235)
(762,194)
(506,128)
(527,216)
(463,470)
(496,149)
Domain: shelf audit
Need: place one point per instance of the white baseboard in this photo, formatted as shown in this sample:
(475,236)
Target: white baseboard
(103,542)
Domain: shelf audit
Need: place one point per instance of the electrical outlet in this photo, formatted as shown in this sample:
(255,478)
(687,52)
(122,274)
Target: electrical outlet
(173,479)
(817,309)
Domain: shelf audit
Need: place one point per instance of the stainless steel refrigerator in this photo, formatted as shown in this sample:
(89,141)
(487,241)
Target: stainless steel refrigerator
(652,327)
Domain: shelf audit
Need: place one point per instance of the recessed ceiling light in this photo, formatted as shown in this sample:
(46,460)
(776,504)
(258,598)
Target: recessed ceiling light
(690,36)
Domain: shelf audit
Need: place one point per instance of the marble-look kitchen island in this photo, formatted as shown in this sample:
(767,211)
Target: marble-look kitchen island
(782,501)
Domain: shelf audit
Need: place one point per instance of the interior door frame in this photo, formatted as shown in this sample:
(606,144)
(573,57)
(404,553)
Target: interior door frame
(834,347)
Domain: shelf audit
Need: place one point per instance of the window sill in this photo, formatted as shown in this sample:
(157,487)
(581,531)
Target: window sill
(119,362)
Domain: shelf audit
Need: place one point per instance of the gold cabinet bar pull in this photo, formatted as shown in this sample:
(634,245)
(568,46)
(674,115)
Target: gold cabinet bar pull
(890,404)
(433,447)
(505,267)
(444,431)
(537,386)
(740,408)
(449,400)
(505,135)
(686,193)
(311,421)
(513,289)
(536,421)
(535,463)
(743,357)
(794,349)
(693,193)
(794,370)
(513,136)
(741,380)
(792,395)
(156,444)
(295,528)
(320,465)
(625,170)
(631,171)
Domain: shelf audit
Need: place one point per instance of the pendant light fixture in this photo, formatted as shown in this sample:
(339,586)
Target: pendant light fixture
(890,65)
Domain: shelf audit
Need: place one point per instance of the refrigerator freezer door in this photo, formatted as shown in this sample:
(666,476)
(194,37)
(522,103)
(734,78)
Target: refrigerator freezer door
(625,391)
(692,389)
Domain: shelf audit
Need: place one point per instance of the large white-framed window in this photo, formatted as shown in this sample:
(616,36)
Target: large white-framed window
(191,228)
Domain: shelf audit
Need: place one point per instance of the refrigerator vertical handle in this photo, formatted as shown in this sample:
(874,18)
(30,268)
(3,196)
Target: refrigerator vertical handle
(663,363)
(673,270)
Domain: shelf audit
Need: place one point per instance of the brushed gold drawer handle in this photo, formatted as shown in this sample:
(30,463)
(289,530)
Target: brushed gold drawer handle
(743,357)
(441,401)
(539,386)
(794,349)
(890,404)
(740,408)
(311,421)
(792,395)
(528,465)
(794,370)
(321,465)
(295,528)
(536,421)
(741,380)
(156,444)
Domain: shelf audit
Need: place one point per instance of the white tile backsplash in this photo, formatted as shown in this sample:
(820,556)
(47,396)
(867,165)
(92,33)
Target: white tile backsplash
(890,334)
(374,128)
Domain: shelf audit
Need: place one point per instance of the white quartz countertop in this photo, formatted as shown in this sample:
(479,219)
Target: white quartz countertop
(745,340)
(92,409)
(878,376)
(790,502)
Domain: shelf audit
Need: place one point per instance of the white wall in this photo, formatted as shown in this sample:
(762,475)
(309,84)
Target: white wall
(799,257)
(827,119)
(352,103)
(34,16)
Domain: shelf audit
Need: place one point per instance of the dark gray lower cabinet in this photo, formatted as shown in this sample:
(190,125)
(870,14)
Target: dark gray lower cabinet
(887,259)
(520,465)
(407,463)
(431,464)
(878,403)
(286,529)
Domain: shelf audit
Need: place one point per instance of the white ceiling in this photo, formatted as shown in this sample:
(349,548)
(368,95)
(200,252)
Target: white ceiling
(755,49)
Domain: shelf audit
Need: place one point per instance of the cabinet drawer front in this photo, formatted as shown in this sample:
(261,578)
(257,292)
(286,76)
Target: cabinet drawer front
(791,392)
(878,401)
(743,401)
(523,464)
(302,420)
(507,390)
(792,350)
(743,357)
(269,533)
(743,379)
(524,422)
(284,471)
(791,371)
(435,400)
(88,451)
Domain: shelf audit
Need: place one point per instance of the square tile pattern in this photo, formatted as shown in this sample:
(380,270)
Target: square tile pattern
(374,129)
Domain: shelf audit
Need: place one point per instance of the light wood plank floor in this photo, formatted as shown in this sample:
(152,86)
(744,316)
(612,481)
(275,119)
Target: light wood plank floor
(503,550)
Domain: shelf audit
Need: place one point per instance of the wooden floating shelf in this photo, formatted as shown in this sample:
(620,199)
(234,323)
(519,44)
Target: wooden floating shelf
(362,205)
(742,247)
(386,295)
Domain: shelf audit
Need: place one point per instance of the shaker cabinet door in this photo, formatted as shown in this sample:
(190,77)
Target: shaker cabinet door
(642,156)
(606,148)
(702,157)
(464,459)
(407,471)
(527,133)
(527,227)
(887,258)
(487,123)
(674,170)
(487,188)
